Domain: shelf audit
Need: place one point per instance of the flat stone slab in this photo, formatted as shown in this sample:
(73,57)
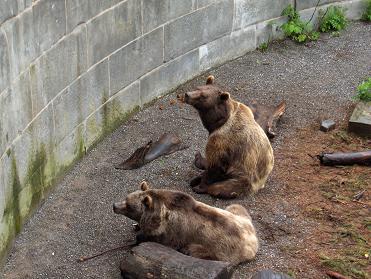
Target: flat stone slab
(327,125)
(360,121)
(269,274)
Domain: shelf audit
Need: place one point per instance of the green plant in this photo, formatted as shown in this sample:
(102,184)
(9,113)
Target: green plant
(333,19)
(297,29)
(367,14)
(364,91)
(263,47)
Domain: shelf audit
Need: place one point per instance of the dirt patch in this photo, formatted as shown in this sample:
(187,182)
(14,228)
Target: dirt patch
(303,215)
(328,197)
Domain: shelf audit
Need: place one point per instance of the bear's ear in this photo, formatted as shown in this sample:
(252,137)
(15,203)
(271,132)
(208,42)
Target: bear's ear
(144,186)
(210,80)
(148,202)
(224,96)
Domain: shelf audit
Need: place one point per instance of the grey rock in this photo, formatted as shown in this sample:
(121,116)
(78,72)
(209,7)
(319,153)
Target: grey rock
(327,125)
(269,274)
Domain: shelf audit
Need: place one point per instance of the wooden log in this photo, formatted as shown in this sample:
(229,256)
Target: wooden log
(155,261)
(166,144)
(267,116)
(351,158)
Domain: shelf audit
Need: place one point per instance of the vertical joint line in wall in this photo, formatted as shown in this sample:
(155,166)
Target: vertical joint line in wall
(8,49)
(295,4)
(29,79)
(233,15)
(141,16)
(52,104)
(140,95)
(65,12)
(87,47)
(109,77)
(163,43)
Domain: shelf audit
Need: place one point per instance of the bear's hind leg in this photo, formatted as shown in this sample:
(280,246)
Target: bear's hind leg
(227,189)
(238,210)
(199,251)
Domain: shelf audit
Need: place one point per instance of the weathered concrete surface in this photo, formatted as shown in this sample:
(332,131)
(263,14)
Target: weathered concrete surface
(77,219)
(157,12)
(71,71)
(360,121)
(113,29)
(141,56)
(200,27)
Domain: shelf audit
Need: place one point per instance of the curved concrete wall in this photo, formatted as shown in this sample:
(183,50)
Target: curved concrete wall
(72,70)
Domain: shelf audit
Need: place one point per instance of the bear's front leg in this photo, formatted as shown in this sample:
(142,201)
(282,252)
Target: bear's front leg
(200,162)
(196,181)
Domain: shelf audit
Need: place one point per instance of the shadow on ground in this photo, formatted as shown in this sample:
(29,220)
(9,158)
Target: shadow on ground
(316,81)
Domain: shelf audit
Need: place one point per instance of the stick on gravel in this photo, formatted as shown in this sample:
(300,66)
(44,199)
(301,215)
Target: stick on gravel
(84,259)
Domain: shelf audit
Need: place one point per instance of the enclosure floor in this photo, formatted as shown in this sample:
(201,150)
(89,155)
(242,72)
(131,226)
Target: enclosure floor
(316,80)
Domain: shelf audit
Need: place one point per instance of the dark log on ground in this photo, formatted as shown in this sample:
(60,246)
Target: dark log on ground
(269,274)
(153,260)
(351,158)
(267,116)
(167,144)
(336,275)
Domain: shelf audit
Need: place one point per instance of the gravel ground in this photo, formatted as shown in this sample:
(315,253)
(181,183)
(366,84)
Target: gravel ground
(316,81)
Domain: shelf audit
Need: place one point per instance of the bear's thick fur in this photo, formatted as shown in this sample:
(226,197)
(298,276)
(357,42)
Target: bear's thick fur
(239,156)
(177,220)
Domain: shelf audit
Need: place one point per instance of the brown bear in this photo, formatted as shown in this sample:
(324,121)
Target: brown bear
(239,156)
(177,220)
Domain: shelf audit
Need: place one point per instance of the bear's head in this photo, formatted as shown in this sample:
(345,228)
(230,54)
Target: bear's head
(212,103)
(161,207)
(132,207)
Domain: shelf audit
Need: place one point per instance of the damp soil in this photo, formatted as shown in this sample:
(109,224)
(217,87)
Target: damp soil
(305,217)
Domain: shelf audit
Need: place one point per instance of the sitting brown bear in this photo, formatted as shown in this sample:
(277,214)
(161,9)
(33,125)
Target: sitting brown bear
(177,220)
(239,156)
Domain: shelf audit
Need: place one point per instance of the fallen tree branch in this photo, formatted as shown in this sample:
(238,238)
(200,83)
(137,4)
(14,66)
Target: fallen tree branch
(335,275)
(349,158)
(84,259)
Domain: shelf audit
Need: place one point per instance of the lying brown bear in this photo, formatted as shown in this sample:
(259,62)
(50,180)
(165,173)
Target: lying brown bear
(239,156)
(177,220)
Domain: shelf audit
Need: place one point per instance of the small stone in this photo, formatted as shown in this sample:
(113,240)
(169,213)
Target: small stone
(269,274)
(327,125)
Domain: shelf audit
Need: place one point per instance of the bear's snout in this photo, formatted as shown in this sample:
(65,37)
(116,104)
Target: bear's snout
(119,207)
